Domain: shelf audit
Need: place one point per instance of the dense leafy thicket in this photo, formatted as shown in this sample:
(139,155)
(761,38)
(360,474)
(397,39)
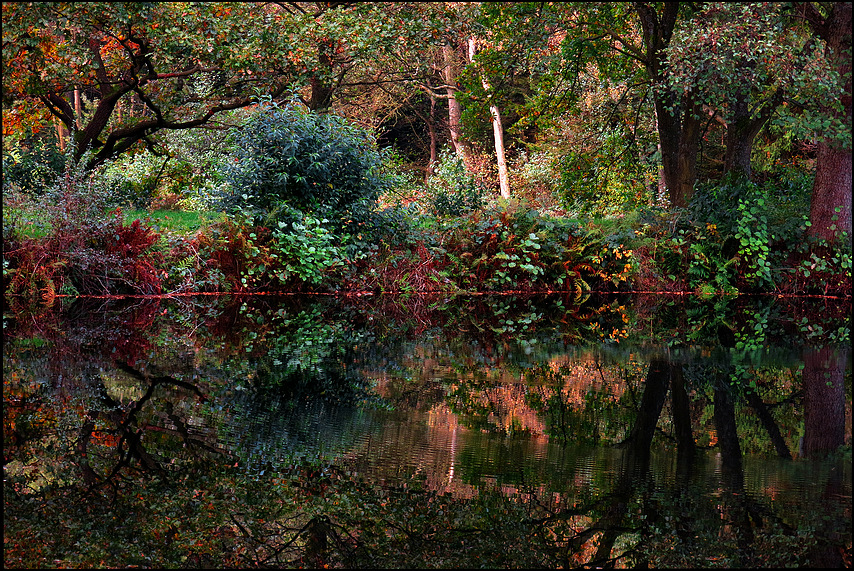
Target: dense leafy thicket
(452,190)
(31,165)
(287,159)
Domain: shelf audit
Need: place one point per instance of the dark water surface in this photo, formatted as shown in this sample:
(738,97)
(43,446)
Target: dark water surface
(392,432)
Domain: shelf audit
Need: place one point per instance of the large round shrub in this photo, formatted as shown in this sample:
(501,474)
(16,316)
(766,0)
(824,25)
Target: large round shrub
(288,158)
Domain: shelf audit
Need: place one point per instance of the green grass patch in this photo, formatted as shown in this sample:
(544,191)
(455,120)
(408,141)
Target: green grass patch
(27,220)
(174,221)
(32,221)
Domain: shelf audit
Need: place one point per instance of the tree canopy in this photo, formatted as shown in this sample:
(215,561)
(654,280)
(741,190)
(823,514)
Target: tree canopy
(120,75)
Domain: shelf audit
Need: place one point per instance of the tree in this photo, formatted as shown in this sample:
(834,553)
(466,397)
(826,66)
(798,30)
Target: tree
(830,207)
(497,128)
(184,64)
(677,115)
(824,400)
(557,44)
(288,158)
(741,61)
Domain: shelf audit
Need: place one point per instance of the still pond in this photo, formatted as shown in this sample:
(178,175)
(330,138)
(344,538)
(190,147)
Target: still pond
(386,432)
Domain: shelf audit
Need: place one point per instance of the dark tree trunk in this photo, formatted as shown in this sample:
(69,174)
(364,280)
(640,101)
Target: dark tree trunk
(831,190)
(738,141)
(689,147)
(321,89)
(434,138)
(742,129)
(824,400)
(832,186)
(639,439)
(678,119)
(732,471)
(770,426)
(681,405)
(635,462)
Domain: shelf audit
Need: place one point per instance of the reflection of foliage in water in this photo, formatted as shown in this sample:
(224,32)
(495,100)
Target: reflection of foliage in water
(592,413)
(271,433)
(273,398)
(302,397)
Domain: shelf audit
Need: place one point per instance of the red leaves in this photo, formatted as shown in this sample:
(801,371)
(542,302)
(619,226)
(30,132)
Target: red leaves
(133,240)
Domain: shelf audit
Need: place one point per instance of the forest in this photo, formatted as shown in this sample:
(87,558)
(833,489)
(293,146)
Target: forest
(159,148)
(427,284)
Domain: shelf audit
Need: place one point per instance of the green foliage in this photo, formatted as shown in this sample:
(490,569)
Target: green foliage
(134,179)
(730,49)
(452,190)
(237,256)
(513,247)
(752,233)
(31,166)
(307,250)
(735,215)
(605,180)
(287,158)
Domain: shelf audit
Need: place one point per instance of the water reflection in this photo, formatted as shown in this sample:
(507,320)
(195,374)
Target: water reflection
(256,432)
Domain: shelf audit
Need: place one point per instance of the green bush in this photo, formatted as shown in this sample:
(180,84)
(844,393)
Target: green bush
(134,178)
(31,166)
(514,247)
(287,159)
(306,250)
(452,190)
(608,181)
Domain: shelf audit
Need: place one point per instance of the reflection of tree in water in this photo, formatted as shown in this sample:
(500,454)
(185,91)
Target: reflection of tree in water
(314,416)
(679,525)
(154,463)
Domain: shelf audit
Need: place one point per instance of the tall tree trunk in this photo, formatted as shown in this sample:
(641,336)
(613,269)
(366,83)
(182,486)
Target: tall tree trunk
(78,109)
(689,149)
(824,400)
(681,406)
(497,131)
(678,119)
(60,134)
(832,186)
(455,112)
(742,129)
(434,138)
(732,473)
(758,405)
(498,134)
(738,146)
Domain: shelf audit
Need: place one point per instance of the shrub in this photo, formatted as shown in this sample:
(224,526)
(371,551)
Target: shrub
(31,166)
(86,250)
(133,180)
(608,181)
(287,158)
(513,247)
(306,250)
(452,190)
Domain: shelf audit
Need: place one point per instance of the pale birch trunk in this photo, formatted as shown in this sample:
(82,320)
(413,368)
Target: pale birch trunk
(497,131)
